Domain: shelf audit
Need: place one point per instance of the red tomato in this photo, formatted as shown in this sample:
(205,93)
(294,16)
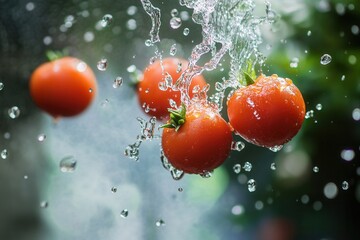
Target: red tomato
(63,87)
(201,144)
(268,112)
(152,97)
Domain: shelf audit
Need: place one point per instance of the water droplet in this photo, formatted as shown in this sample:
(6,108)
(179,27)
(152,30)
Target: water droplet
(131,10)
(276,148)
(124,213)
(247,166)
(325,59)
(90,90)
(251,185)
(173,49)
(44,204)
(174,12)
(102,64)
(356,114)
(175,22)
(68,164)
(14,112)
(345,185)
(206,174)
(294,62)
(7,135)
(309,114)
(343,77)
(114,189)
(160,223)
(117,82)
(316,169)
(317,205)
(131,24)
(26,177)
(1,86)
(180,189)
(347,154)
(179,67)
(106,20)
(305,199)
(318,106)
(148,43)
(237,210)
(186,31)
(308,33)
(152,60)
(273,166)
(259,205)
(4,154)
(237,168)
(330,190)
(237,146)
(41,137)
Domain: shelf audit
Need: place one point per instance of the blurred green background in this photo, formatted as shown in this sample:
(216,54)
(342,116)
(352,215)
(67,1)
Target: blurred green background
(311,192)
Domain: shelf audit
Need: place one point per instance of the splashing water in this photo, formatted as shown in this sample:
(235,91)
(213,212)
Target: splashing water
(176,174)
(147,133)
(155,15)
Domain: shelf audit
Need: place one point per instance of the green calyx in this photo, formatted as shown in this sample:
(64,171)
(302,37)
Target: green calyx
(54,55)
(249,74)
(177,118)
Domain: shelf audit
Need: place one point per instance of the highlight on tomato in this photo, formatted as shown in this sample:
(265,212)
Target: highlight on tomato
(196,139)
(153,98)
(63,87)
(268,112)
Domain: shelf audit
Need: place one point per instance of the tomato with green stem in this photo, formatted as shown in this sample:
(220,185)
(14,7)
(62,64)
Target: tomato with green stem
(63,87)
(155,100)
(196,140)
(267,112)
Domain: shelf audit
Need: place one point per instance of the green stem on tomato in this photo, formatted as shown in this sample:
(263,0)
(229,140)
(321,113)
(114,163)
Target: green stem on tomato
(54,55)
(177,118)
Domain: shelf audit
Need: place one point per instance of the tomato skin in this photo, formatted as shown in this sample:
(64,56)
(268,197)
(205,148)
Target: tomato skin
(267,113)
(201,144)
(148,90)
(64,87)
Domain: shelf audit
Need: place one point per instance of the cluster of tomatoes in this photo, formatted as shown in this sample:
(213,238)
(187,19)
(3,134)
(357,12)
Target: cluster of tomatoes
(196,139)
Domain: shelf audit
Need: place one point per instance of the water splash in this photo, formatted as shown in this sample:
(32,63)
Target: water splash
(147,133)
(176,174)
(155,15)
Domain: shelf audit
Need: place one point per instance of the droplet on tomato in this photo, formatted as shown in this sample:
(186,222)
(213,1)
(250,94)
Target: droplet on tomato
(276,148)
(251,185)
(206,174)
(68,164)
(325,59)
(175,22)
(102,64)
(14,112)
